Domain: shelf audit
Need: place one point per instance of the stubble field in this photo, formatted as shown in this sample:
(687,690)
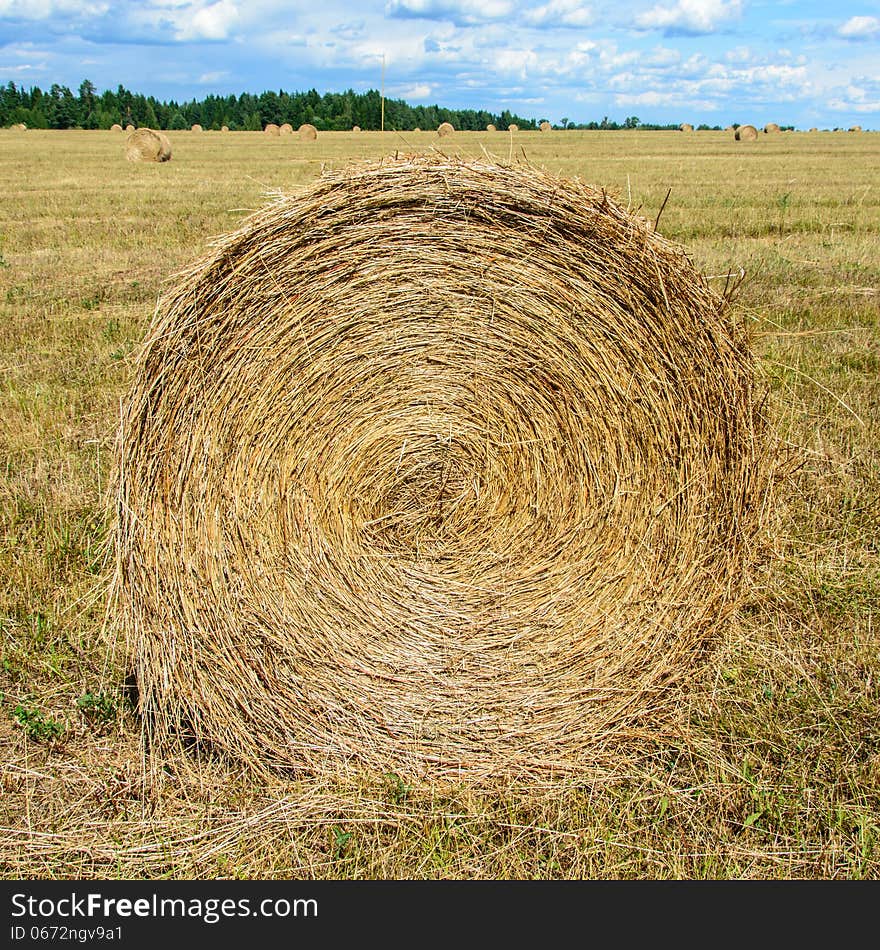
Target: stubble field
(773,769)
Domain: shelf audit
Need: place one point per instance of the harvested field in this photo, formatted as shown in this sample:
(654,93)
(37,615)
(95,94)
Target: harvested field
(767,763)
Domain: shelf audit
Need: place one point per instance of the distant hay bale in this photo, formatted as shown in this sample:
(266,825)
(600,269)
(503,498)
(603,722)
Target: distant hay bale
(746,133)
(285,129)
(445,128)
(814,129)
(129,128)
(771,127)
(271,129)
(545,127)
(196,128)
(417,129)
(686,127)
(19,127)
(855,128)
(491,128)
(224,128)
(425,519)
(355,128)
(513,127)
(307,133)
(116,127)
(729,128)
(145,145)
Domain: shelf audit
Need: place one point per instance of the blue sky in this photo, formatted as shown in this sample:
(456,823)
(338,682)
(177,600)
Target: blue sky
(714,61)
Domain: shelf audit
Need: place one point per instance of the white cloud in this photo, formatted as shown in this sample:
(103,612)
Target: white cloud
(415,93)
(661,57)
(862,95)
(212,22)
(515,61)
(462,12)
(178,21)
(556,13)
(847,105)
(690,16)
(860,28)
(674,99)
(44,9)
(207,79)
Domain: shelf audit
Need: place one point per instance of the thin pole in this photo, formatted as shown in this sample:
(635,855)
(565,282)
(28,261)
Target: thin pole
(383,92)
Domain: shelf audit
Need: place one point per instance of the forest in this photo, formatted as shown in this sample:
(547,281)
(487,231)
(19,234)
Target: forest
(61,108)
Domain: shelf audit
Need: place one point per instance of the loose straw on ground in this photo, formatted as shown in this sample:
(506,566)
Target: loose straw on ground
(438,468)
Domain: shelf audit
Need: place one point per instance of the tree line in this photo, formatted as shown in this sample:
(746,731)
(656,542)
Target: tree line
(60,108)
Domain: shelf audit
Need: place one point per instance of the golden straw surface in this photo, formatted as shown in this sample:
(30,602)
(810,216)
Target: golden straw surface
(435,467)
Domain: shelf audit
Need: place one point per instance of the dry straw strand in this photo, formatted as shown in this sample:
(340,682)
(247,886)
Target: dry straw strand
(145,145)
(438,467)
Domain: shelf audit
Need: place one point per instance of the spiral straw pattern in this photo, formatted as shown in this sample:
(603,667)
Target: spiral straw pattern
(436,467)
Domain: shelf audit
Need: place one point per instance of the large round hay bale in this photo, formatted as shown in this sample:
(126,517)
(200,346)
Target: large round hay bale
(307,133)
(855,128)
(545,127)
(355,128)
(417,129)
(465,494)
(445,128)
(145,145)
(224,128)
(19,127)
(129,128)
(116,127)
(271,129)
(746,133)
(196,128)
(285,129)
(771,127)
(686,127)
(491,128)
(513,127)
